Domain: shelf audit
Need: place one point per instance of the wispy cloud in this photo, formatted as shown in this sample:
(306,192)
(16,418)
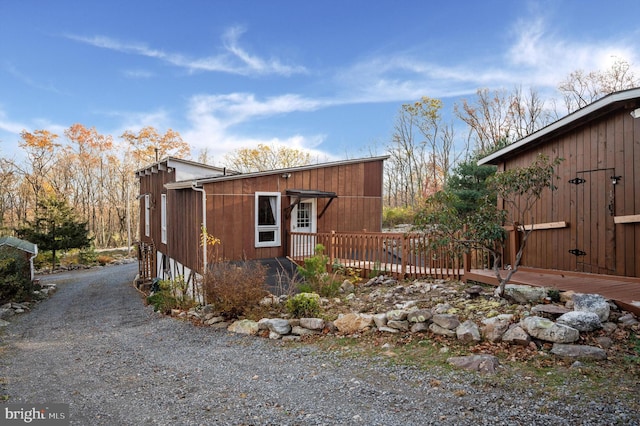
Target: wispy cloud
(24,78)
(233,60)
(137,74)
(535,57)
(215,123)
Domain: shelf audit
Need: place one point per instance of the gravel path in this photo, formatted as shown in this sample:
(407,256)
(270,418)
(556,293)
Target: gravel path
(95,346)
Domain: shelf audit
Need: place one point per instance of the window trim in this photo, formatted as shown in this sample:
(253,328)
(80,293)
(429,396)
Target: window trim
(147,214)
(163,218)
(277,228)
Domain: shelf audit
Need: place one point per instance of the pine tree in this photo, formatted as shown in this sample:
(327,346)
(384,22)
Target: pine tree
(56,228)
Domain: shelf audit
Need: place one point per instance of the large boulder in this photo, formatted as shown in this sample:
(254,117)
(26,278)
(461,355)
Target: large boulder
(448,321)
(468,332)
(547,330)
(516,335)
(578,351)
(244,327)
(581,320)
(278,325)
(482,363)
(312,323)
(353,323)
(419,315)
(592,303)
(493,328)
(524,293)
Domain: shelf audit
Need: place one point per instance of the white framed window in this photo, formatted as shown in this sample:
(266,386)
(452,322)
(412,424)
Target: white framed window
(267,215)
(147,215)
(163,218)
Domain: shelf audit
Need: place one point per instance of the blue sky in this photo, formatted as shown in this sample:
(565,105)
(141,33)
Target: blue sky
(325,76)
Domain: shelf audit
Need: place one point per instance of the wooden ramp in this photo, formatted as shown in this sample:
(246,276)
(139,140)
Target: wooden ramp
(624,291)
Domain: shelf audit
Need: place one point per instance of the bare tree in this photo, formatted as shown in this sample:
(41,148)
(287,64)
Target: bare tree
(581,88)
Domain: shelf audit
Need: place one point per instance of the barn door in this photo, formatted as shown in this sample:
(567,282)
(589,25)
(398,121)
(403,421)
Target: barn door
(594,230)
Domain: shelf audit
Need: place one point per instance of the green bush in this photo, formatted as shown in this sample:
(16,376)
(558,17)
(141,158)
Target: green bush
(171,294)
(15,276)
(162,301)
(304,305)
(315,275)
(392,216)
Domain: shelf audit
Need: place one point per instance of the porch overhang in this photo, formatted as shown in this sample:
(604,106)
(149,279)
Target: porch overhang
(300,194)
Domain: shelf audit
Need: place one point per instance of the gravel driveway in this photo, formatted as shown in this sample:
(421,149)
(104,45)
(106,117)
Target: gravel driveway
(95,346)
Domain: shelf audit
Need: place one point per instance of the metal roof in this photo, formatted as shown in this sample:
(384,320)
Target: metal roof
(629,99)
(19,244)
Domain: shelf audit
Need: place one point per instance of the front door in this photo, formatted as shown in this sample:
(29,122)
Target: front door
(595,228)
(303,220)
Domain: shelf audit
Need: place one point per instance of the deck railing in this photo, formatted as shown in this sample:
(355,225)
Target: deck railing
(403,255)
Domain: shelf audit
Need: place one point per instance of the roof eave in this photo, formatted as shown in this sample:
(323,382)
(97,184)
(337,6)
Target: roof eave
(562,123)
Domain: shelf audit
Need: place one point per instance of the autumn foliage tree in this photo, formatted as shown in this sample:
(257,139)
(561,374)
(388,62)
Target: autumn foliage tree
(148,146)
(266,157)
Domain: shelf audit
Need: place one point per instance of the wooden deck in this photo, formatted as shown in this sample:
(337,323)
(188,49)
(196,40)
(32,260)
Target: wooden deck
(624,291)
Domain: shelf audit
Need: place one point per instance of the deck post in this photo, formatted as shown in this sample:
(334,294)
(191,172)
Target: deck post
(332,254)
(403,254)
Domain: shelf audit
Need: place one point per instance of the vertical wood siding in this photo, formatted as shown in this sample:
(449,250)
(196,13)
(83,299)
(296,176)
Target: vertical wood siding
(231,205)
(602,148)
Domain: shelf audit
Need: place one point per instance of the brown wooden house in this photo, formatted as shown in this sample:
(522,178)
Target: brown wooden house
(591,223)
(251,214)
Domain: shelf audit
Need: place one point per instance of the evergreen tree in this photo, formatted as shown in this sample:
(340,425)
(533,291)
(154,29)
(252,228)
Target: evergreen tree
(468,183)
(56,227)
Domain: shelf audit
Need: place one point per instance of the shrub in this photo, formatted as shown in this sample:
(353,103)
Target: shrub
(392,216)
(162,301)
(316,278)
(234,288)
(104,259)
(15,276)
(304,305)
(170,294)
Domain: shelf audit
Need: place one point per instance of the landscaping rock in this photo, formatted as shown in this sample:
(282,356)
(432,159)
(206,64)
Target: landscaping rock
(493,328)
(279,325)
(448,321)
(627,320)
(419,327)
(312,323)
(244,327)
(481,363)
(592,303)
(397,315)
(398,325)
(380,320)
(302,331)
(437,329)
(352,323)
(524,293)
(419,315)
(578,351)
(388,330)
(547,330)
(553,311)
(580,320)
(214,320)
(516,335)
(468,331)
(4,323)
(347,287)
